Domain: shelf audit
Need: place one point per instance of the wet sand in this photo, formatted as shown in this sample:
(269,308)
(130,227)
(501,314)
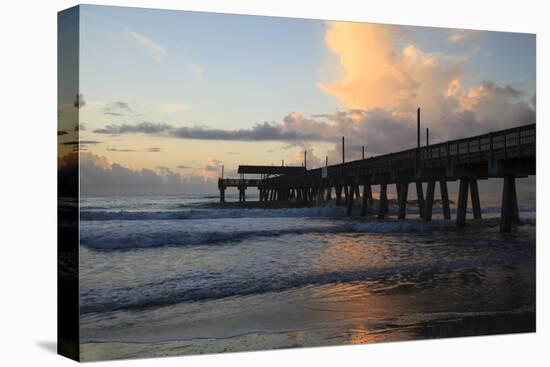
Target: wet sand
(335,314)
(453,327)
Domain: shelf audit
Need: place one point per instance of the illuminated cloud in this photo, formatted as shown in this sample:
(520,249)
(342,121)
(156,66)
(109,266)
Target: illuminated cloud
(382,86)
(212,169)
(371,73)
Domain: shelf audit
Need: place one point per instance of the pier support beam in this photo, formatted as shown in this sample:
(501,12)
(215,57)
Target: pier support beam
(465,184)
(428,209)
(420,198)
(222,195)
(338,190)
(369,194)
(509,210)
(474,192)
(320,194)
(366,199)
(351,193)
(445,199)
(346,193)
(515,210)
(398,192)
(403,200)
(462,202)
(383,201)
(242,194)
(329,193)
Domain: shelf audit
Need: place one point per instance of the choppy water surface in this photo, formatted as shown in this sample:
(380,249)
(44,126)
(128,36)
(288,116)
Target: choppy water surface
(169,275)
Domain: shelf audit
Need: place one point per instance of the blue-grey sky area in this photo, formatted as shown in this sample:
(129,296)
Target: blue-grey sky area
(175,95)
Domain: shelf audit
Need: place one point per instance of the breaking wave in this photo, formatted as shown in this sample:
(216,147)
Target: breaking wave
(173,291)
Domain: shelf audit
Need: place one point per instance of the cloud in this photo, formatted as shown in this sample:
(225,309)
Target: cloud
(144,127)
(156,50)
(382,85)
(371,73)
(99,176)
(293,129)
(146,150)
(312,159)
(81,142)
(117,109)
(460,35)
(212,169)
(183,166)
(260,132)
(121,150)
(458,113)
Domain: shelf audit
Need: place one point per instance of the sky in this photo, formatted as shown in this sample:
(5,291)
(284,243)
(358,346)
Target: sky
(168,97)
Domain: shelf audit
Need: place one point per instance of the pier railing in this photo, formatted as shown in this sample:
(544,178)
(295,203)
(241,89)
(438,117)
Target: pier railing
(501,145)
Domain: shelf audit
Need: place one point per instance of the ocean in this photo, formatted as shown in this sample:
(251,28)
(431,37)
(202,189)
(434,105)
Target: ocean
(173,275)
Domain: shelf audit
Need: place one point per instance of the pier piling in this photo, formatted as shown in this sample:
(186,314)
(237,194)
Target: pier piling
(509,208)
(420,198)
(383,201)
(350,199)
(445,199)
(403,200)
(474,192)
(429,201)
(462,202)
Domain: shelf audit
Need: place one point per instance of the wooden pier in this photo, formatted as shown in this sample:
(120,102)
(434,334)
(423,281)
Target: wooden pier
(506,154)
